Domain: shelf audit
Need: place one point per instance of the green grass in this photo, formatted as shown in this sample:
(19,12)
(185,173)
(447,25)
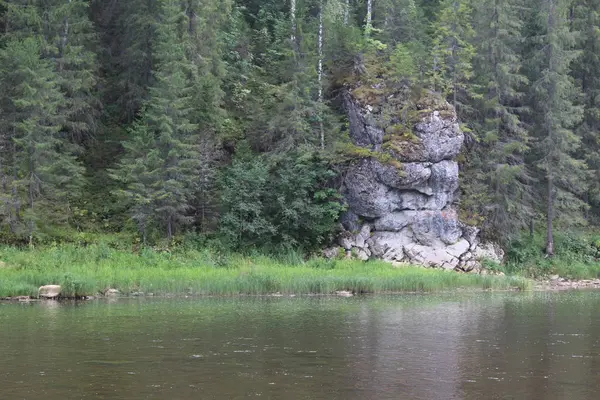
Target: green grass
(89,270)
(577,256)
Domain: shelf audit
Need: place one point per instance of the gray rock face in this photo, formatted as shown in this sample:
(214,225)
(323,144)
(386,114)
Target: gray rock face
(402,211)
(441,138)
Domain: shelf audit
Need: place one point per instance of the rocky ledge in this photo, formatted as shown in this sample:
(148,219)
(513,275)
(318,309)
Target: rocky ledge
(401,190)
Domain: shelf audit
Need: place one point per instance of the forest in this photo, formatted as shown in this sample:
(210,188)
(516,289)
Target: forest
(221,120)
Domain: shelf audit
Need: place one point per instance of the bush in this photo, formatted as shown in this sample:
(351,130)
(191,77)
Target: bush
(576,256)
(281,202)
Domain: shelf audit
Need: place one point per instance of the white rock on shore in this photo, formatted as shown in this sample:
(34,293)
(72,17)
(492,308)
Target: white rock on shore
(49,291)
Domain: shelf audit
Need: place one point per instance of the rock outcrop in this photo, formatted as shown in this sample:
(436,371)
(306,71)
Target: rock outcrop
(401,195)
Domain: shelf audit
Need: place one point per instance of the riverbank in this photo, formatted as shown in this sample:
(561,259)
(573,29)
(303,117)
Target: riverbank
(88,271)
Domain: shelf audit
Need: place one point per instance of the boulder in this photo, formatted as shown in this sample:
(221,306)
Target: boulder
(363,254)
(350,221)
(49,291)
(489,251)
(331,253)
(346,240)
(111,292)
(362,237)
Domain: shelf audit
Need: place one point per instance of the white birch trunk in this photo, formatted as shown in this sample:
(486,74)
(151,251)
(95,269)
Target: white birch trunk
(368,25)
(293,18)
(65,38)
(347,12)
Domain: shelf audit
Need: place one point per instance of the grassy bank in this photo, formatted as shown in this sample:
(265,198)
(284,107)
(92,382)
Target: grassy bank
(577,256)
(89,270)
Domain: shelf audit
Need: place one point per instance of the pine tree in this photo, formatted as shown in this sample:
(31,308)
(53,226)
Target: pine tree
(45,173)
(160,186)
(555,114)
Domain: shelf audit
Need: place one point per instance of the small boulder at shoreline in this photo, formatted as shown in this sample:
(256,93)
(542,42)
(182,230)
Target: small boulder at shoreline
(111,292)
(49,291)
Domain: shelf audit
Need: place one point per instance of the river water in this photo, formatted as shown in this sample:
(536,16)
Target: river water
(462,346)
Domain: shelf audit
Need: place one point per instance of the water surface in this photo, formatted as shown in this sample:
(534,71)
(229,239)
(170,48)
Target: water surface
(461,346)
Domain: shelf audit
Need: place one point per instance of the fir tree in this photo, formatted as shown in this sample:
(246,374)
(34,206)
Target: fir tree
(45,173)
(66,35)
(161,186)
(453,52)
(499,158)
(69,39)
(127,38)
(554,97)
(586,70)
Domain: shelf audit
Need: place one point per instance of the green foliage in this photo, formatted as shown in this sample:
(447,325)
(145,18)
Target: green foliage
(91,270)
(278,202)
(402,62)
(40,170)
(577,256)
(162,161)
(453,51)
(153,98)
(497,182)
(557,113)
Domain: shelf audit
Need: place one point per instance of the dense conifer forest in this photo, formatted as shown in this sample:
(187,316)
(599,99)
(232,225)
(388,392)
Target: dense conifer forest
(222,119)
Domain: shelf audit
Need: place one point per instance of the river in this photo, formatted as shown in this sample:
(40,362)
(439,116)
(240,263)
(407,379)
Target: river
(454,346)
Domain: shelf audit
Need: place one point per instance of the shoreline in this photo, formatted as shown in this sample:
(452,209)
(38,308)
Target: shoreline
(560,284)
(554,284)
(85,272)
(538,286)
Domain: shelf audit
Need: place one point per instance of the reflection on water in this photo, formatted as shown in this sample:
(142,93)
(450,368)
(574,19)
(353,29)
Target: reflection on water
(468,346)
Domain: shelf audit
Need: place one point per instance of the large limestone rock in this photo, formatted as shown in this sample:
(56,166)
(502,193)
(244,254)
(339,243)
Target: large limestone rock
(49,291)
(401,199)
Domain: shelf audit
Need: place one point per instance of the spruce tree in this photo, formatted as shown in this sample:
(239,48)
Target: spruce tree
(453,52)
(498,161)
(127,40)
(66,38)
(160,186)
(586,70)
(205,21)
(555,114)
(40,164)
(69,40)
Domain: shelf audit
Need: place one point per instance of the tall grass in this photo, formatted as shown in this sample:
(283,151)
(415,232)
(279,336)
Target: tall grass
(577,256)
(89,270)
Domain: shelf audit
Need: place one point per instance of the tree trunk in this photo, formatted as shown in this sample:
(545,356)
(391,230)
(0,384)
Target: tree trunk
(531,228)
(368,23)
(320,77)
(170,227)
(550,237)
(347,12)
(293,19)
(65,38)
(551,95)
